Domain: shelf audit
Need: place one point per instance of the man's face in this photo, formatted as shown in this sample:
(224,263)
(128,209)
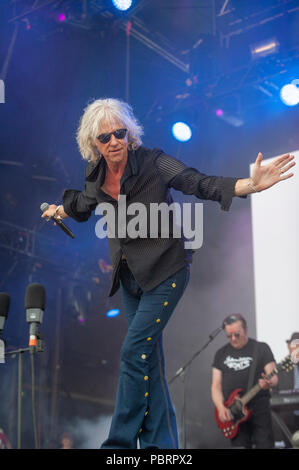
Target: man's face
(116,150)
(236,334)
(294,350)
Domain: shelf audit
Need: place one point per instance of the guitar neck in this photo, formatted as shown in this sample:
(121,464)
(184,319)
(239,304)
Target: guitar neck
(255,390)
(250,394)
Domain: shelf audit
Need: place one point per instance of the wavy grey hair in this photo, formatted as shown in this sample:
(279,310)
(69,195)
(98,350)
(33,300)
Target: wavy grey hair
(106,112)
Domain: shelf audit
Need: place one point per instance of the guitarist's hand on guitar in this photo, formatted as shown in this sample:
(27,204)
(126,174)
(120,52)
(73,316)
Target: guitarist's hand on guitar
(224,413)
(264,383)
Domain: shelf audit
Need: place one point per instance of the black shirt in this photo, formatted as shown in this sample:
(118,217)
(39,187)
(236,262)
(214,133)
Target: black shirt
(147,178)
(235,366)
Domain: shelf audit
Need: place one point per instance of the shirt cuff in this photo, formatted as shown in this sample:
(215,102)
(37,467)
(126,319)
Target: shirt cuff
(228,192)
(69,198)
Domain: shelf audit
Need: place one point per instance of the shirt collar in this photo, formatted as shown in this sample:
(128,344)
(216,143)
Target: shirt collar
(131,167)
(97,170)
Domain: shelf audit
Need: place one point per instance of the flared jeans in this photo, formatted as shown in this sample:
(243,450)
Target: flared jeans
(143,409)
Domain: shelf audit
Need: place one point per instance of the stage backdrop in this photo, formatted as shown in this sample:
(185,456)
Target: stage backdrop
(275,228)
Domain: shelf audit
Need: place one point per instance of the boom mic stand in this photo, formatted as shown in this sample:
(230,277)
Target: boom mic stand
(181,373)
(20,352)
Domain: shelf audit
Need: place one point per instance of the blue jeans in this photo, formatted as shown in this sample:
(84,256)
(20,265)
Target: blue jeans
(143,408)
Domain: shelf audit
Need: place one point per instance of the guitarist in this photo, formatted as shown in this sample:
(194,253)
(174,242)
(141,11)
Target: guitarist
(231,369)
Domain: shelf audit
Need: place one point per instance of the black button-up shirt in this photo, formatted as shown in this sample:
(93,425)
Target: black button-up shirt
(147,178)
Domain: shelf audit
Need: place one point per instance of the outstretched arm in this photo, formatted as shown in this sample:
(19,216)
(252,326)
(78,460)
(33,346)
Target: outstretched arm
(265,176)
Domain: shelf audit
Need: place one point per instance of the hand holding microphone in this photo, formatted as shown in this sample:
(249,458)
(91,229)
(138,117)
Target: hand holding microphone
(52,210)
(56,213)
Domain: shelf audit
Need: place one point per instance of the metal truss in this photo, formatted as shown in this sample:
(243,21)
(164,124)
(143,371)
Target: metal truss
(35,6)
(137,31)
(21,243)
(225,8)
(229,26)
(135,27)
(226,25)
(26,242)
(237,91)
(229,22)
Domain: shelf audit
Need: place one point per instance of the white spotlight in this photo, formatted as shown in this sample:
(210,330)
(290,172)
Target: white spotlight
(181,131)
(289,94)
(122,5)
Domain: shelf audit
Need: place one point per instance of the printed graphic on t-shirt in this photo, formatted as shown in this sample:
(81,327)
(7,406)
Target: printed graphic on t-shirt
(237,363)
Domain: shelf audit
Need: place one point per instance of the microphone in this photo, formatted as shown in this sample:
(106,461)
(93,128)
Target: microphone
(45,206)
(4,307)
(35,299)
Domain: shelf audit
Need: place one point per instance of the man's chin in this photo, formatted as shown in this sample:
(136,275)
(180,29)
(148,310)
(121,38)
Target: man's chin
(117,154)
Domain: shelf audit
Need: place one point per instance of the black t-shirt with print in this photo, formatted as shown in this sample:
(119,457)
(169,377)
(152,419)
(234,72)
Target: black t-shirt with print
(235,366)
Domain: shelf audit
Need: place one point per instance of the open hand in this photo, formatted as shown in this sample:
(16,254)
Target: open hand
(265,176)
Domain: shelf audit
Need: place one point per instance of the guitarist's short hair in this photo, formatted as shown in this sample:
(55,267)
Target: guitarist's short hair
(234,317)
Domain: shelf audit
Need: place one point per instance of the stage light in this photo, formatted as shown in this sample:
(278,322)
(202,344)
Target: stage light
(113,312)
(264,49)
(122,5)
(61,17)
(181,131)
(289,94)
(235,120)
(81,318)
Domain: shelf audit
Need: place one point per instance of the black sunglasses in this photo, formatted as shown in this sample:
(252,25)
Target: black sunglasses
(119,134)
(237,335)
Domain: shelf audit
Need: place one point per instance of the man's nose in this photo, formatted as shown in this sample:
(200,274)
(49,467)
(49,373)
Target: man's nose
(113,140)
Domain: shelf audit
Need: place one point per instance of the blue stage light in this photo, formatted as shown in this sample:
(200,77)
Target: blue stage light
(181,131)
(122,5)
(113,312)
(289,94)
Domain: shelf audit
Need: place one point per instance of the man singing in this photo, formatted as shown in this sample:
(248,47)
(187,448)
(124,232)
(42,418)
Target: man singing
(152,272)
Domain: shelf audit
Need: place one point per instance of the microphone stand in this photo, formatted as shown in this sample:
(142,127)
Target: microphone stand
(20,352)
(181,373)
(20,372)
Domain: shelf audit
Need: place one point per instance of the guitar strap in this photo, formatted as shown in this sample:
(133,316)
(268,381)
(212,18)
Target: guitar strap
(253,366)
